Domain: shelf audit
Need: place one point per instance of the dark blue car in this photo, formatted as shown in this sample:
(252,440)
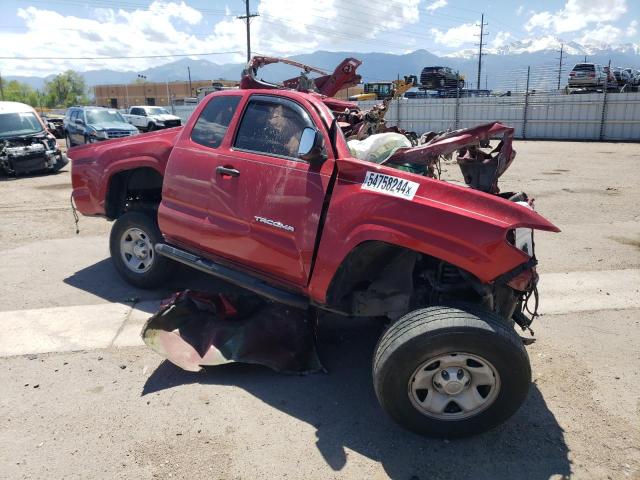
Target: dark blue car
(93,124)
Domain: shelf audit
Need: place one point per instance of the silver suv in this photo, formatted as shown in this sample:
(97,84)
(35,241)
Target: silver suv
(587,75)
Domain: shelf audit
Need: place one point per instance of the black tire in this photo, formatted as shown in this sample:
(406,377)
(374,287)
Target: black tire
(151,127)
(161,267)
(68,141)
(436,331)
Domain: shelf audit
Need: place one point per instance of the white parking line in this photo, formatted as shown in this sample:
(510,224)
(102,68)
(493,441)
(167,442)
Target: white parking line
(86,327)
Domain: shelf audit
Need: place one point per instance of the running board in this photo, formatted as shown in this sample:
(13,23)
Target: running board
(232,276)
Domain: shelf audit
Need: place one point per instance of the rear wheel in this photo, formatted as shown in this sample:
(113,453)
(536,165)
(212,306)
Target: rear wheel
(451,371)
(133,238)
(68,141)
(151,127)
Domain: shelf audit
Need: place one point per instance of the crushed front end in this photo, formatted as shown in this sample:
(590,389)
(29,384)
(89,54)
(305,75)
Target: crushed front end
(29,154)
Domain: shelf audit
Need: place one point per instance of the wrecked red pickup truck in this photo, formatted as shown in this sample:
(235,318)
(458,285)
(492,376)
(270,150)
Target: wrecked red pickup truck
(260,188)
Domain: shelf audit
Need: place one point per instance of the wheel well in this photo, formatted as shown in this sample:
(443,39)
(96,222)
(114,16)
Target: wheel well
(381,279)
(137,189)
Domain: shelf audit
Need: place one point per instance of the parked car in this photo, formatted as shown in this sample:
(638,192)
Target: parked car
(260,188)
(436,78)
(622,76)
(25,144)
(151,118)
(55,123)
(94,124)
(587,75)
(634,77)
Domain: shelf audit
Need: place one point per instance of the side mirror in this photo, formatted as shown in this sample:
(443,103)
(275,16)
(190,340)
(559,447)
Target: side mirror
(311,146)
(80,121)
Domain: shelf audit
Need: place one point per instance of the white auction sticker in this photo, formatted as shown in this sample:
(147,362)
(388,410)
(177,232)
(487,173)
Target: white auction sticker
(389,185)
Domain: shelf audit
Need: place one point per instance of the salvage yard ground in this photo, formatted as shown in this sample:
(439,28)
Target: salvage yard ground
(82,398)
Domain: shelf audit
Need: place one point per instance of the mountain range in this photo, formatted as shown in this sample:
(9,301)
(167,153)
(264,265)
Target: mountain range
(503,68)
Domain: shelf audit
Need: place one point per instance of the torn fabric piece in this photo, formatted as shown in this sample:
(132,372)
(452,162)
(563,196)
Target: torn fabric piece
(196,329)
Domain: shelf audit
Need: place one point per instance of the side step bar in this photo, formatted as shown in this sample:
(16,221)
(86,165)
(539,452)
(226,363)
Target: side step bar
(232,276)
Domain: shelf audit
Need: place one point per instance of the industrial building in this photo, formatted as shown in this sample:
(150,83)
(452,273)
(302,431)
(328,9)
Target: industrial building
(153,93)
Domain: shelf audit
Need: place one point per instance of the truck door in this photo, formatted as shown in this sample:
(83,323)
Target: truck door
(266,202)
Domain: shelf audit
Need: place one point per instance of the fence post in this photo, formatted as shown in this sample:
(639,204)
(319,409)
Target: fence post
(526,106)
(398,109)
(457,111)
(603,116)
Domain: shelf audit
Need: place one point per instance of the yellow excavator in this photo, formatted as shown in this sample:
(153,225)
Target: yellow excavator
(384,90)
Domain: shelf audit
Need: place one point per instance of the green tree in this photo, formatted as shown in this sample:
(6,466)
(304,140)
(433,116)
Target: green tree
(65,89)
(15,91)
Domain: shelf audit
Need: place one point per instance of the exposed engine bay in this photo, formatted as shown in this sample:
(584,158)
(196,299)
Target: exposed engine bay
(33,153)
(514,295)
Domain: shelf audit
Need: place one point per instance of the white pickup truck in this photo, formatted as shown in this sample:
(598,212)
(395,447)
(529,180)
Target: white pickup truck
(151,118)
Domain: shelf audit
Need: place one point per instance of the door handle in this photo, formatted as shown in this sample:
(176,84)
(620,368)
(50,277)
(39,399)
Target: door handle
(232,172)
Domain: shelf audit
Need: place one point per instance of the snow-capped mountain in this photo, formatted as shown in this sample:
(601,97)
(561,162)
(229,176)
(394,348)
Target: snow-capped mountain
(550,44)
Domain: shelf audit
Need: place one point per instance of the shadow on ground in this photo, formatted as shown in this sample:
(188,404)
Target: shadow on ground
(12,178)
(102,279)
(342,406)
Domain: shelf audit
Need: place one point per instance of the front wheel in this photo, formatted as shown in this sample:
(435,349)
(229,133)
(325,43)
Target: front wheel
(133,238)
(451,371)
(68,141)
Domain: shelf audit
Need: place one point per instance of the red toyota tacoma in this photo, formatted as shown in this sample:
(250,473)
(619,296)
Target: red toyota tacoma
(261,189)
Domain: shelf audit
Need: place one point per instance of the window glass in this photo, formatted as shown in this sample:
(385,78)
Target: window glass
(272,127)
(74,115)
(214,120)
(15,124)
(100,115)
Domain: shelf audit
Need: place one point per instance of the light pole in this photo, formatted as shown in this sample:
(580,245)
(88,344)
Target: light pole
(144,87)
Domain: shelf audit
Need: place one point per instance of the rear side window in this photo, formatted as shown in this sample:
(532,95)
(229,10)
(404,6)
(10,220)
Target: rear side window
(74,114)
(273,127)
(584,67)
(214,120)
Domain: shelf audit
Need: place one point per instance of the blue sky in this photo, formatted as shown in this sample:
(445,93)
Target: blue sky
(125,28)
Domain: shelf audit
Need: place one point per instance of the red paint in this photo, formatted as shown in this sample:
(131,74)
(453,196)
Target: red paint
(215,215)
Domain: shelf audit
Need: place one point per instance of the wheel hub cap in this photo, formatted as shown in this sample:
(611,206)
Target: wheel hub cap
(454,386)
(136,250)
(451,380)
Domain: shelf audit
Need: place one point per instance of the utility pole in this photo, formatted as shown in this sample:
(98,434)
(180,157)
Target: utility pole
(560,67)
(190,90)
(248,18)
(482,35)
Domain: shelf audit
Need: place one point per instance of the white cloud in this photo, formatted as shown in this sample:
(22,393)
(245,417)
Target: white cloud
(432,7)
(632,29)
(456,36)
(165,27)
(601,35)
(576,15)
(520,10)
(501,39)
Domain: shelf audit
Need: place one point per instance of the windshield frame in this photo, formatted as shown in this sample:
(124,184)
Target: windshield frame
(22,133)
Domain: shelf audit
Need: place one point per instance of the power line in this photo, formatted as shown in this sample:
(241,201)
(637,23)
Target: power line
(560,67)
(248,16)
(482,35)
(122,57)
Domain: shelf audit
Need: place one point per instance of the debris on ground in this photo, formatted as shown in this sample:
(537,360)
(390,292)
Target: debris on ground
(196,329)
